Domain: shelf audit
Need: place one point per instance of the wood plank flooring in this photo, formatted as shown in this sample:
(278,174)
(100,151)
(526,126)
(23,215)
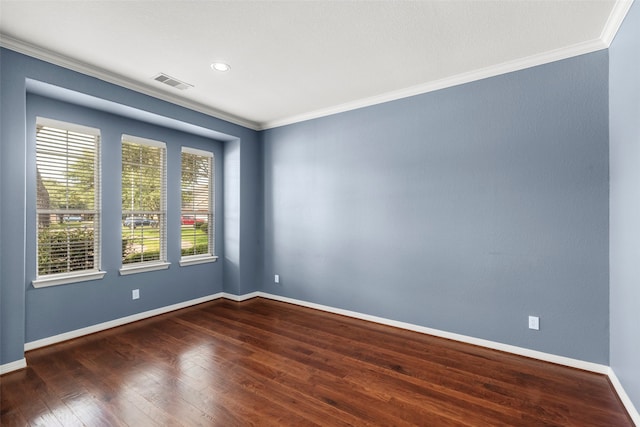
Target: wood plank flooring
(267,363)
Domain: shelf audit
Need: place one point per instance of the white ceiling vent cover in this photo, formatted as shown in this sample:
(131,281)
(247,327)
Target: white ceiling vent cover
(173,82)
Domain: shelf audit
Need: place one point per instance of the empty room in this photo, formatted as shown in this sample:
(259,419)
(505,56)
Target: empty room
(330,213)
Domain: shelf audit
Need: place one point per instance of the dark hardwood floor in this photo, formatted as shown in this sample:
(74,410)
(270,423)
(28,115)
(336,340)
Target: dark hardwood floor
(267,363)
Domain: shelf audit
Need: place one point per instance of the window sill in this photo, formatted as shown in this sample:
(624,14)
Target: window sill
(197,259)
(143,268)
(67,278)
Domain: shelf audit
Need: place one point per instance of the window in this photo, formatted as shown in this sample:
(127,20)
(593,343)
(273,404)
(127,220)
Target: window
(197,220)
(67,203)
(143,205)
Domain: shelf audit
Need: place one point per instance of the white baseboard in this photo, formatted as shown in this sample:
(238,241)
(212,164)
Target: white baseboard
(560,360)
(239,298)
(117,322)
(547,357)
(624,397)
(13,366)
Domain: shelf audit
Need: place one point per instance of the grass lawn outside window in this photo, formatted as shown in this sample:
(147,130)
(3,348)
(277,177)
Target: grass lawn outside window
(133,238)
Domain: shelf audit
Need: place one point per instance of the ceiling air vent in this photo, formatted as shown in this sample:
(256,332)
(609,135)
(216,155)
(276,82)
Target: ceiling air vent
(173,82)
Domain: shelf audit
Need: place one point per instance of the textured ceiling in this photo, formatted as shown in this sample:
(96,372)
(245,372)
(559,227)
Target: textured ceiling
(296,60)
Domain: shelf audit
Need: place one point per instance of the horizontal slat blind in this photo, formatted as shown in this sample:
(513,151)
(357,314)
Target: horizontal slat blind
(143,200)
(197,189)
(68,198)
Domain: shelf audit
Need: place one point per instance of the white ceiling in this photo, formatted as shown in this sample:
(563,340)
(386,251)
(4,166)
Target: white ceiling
(300,59)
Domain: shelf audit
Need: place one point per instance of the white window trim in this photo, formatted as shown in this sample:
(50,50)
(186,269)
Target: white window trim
(162,264)
(197,259)
(78,275)
(67,278)
(71,127)
(128,269)
(143,141)
(209,257)
(197,152)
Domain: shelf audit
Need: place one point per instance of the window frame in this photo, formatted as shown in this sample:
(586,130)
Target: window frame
(210,256)
(161,263)
(73,276)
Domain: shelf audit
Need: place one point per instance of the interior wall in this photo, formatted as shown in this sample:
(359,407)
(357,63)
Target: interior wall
(88,303)
(79,305)
(241,217)
(232,218)
(12,193)
(466,210)
(624,142)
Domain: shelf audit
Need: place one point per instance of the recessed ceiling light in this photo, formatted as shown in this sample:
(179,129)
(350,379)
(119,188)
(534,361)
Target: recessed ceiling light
(220,66)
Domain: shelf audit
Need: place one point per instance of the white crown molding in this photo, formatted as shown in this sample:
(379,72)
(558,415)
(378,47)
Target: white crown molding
(13,366)
(468,77)
(617,15)
(107,76)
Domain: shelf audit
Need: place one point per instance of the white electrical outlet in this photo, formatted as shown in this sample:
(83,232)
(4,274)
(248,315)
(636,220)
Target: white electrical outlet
(276,278)
(534,323)
(135,294)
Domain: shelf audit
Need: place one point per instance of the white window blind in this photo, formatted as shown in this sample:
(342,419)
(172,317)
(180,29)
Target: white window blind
(67,200)
(143,201)
(197,213)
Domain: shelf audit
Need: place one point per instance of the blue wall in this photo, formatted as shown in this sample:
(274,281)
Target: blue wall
(464,210)
(102,300)
(28,314)
(625,203)
(12,194)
